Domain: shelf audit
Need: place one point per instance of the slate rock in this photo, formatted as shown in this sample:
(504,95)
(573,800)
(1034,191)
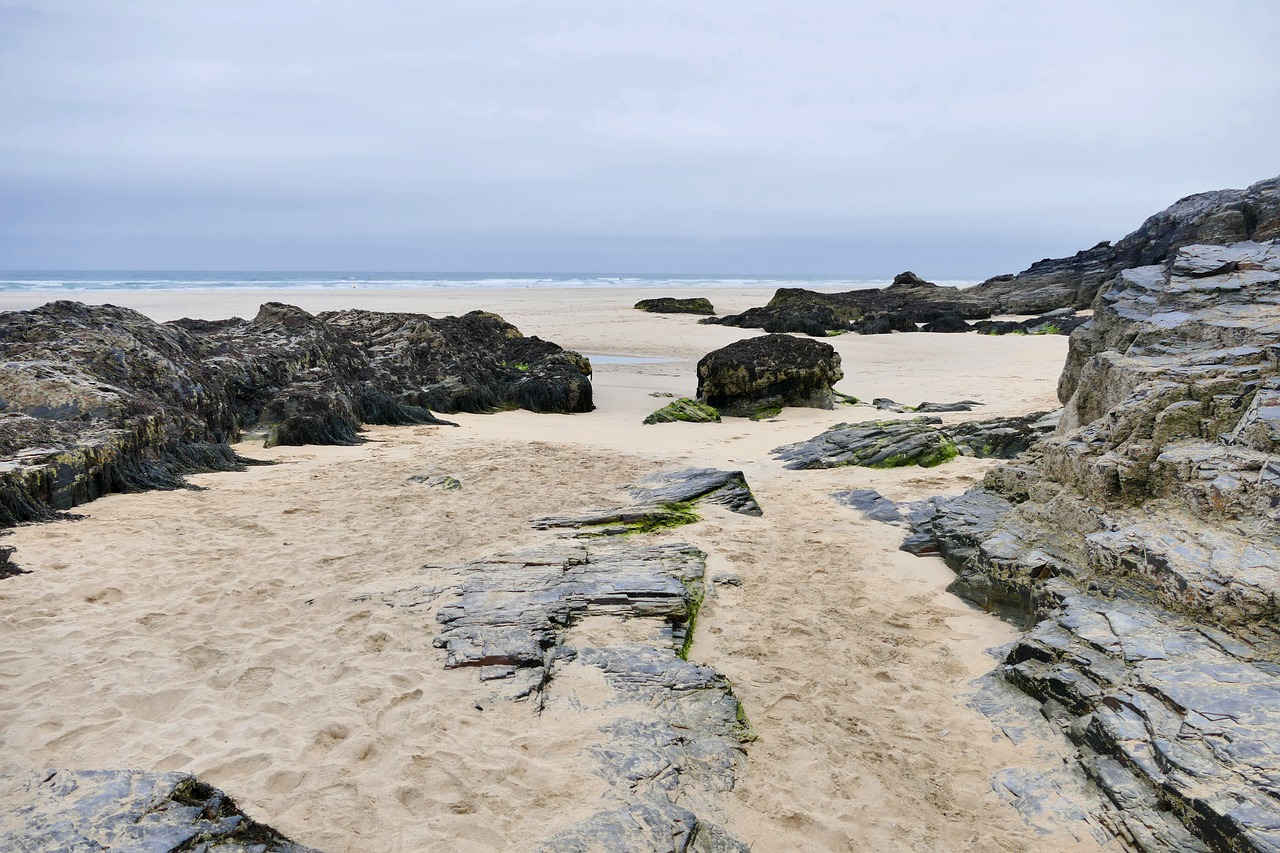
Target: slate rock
(673,305)
(50,811)
(872,444)
(665,499)
(769,372)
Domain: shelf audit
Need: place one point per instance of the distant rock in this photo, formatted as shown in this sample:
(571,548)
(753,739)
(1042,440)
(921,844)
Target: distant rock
(899,307)
(763,374)
(100,399)
(1062,321)
(946,323)
(52,811)
(673,305)
(1219,217)
(684,409)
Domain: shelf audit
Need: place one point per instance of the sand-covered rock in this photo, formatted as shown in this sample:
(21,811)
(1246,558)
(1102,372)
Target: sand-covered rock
(100,399)
(765,373)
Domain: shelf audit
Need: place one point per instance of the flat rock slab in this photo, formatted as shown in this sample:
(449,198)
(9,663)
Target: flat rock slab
(663,500)
(51,811)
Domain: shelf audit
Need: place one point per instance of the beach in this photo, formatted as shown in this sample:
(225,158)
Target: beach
(236,631)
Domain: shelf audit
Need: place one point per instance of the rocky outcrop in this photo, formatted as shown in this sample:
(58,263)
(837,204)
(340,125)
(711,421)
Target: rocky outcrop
(52,811)
(673,305)
(662,500)
(100,399)
(1062,321)
(1142,541)
(765,373)
(675,733)
(1215,218)
(684,409)
(919,441)
(897,308)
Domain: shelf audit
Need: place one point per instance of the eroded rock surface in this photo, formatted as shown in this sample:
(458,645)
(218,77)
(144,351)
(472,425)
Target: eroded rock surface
(1142,541)
(897,308)
(100,399)
(663,500)
(53,811)
(1218,217)
(768,372)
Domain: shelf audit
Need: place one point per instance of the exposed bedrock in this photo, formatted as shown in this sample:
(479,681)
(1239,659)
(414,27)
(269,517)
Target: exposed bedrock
(675,734)
(922,441)
(1216,218)
(897,308)
(674,305)
(100,399)
(1142,541)
(762,374)
(52,811)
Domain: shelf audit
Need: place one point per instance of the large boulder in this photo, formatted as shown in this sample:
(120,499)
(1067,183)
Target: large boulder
(899,307)
(674,305)
(765,373)
(1212,218)
(100,399)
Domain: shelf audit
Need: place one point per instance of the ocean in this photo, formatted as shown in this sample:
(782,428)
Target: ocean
(72,281)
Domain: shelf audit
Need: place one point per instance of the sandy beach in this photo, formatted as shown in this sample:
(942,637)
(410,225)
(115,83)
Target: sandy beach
(229,632)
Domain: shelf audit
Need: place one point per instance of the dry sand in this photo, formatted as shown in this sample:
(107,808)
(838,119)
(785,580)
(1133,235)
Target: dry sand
(220,632)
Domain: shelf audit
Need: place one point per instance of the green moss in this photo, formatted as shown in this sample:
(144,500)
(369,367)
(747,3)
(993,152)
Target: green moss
(743,730)
(684,409)
(945,453)
(697,594)
(765,412)
(669,515)
(1048,329)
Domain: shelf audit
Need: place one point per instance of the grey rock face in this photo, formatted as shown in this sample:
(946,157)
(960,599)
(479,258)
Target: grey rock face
(103,399)
(769,372)
(52,811)
(663,500)
(1142,541)
(676,733)
(1221,217)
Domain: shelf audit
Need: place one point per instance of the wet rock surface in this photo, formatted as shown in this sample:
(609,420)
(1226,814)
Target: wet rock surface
(52,811)
(676,731)
(909,300)
(100,399)
(673,305)
(1221,217)
(922,441)
(663,500)
(1142,543)
(767,373)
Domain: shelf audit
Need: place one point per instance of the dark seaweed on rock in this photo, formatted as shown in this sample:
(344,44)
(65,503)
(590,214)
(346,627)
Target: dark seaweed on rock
(101,399)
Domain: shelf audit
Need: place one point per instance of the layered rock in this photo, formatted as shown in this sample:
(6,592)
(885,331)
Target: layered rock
(1220,217)
(763,374)
(663,500)
(897,308)
(674,305)
(51,811)
(1143,542)
(100,399)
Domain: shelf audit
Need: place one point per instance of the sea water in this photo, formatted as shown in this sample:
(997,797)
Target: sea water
(72,281)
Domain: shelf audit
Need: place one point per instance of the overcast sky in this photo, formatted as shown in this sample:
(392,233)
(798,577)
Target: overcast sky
(958,138)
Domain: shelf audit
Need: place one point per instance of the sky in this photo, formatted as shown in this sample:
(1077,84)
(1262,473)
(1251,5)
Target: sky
(957,138)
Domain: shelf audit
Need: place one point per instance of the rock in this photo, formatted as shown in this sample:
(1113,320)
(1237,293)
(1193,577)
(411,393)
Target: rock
(663,500)
(1218,217)
(768,372)
(672,305)
(684,409)
(959,406)
(946,323)
(1001,438)
(1142,543)
(444,482)
(1064,321)
(675,731)
(59,810)
(899,307)
(8,568)
(99,399)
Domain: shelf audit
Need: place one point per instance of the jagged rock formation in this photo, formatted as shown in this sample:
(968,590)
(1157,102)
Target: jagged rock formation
(762,374)
(100,399)
(684,409)
(919,441)
(52,811)
(1143,542)
(663,500)
(897,308)
(676,731)
(1220,217)
(673,305)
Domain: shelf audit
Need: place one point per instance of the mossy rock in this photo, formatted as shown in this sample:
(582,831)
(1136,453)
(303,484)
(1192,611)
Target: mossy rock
(672,305)
(684,409)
